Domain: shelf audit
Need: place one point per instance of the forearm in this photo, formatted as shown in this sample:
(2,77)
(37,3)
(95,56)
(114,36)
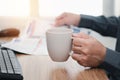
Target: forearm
(101,24)
(111,64)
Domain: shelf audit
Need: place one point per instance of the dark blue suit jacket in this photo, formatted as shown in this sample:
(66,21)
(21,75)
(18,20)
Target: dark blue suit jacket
(106,26)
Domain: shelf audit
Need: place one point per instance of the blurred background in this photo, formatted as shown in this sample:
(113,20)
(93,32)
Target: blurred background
(55,7)
(16,13)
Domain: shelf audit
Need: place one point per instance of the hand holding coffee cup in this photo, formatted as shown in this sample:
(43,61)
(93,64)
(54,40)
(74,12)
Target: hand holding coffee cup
(59,43)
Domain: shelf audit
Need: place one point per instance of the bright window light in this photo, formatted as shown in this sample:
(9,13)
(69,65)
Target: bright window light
(14,8)
(56,7)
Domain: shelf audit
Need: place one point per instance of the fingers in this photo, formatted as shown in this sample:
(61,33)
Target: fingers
(82,63)
(60,20)
(77,57)
(80,58)
(77,49)
(79,42)
(61,16)
(78,45)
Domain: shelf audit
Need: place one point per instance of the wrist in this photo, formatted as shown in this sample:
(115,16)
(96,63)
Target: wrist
(102,55)
(77,20)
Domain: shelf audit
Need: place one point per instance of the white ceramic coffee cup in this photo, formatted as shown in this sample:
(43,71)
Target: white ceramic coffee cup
(59,43)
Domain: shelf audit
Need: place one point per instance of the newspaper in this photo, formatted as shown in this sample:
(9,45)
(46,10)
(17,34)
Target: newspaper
(33,39)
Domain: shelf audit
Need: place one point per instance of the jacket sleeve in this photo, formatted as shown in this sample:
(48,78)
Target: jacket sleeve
(111,64)
(107,26)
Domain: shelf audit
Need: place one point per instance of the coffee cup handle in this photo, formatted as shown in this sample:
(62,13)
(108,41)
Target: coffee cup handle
(71,50)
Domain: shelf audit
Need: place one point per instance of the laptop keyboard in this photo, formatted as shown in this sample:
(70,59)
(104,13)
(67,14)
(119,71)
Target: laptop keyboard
(10,68)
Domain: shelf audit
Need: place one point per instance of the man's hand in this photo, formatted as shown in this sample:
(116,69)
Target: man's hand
(67,19)
(87,50)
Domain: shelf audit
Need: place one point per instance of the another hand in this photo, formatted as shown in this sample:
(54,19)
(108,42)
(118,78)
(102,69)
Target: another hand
(67,19)
(87,50)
